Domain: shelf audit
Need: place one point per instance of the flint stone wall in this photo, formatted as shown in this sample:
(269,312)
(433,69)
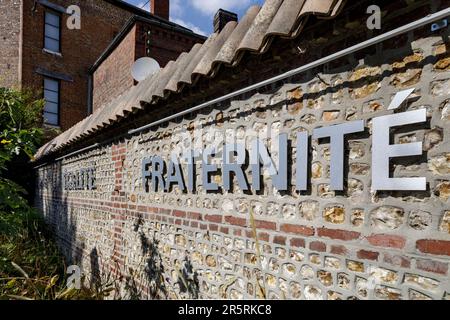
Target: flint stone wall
(317,244)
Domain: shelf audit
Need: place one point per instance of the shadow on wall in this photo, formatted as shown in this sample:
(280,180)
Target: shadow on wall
(157,285)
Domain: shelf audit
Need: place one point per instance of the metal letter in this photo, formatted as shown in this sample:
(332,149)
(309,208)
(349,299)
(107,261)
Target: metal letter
(382,150)
(207,169)
(337,134)
(259,154)
(236,167)
(302,161)
(158,165)
(175,176)
(190,157)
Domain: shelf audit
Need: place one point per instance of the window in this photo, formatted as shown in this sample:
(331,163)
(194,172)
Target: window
(51,96)
(52,32)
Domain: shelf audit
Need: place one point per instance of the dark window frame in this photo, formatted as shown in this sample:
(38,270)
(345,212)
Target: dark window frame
(56,13)
(59,101)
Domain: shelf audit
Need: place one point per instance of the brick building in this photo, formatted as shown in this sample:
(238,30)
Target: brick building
(96,181)
(40,52)
(140,37)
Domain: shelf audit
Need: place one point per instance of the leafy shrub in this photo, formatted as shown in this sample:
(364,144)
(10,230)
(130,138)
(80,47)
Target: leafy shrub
(31,266)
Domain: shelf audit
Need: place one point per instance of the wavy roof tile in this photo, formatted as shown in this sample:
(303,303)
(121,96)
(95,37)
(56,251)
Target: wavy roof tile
(284,18)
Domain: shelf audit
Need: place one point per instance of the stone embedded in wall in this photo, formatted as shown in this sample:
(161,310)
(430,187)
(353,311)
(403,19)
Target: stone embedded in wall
(338,91)
(315,259)
(440,165)
(422,282)
(289,123)
(295,290)
(308,119)
(330,115)
(409,138)
(351,113)
(272,209)
(440,87)
(387,293)
(355,189)
(373,106)
(288,211)
(333,263)
(443,53)
(357,150)
(343,281)
(315,92)
(296,256)
(316,171)
(257,208)
(419,220)
(408,71)
(359,169)
(334,214)
(295,108)
(242,206)
(361,286)
(383,275)
(307,273)
(387,217)
(432,138)
(324,191)
(357,218)
(312,292)
(355,266)
(444,226)
(309,210)
(228,206)
(364,82)
(333,295)
(442,190)
(416,295)
(445,110)
(325,278)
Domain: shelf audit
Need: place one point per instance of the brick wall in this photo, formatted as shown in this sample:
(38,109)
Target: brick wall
(100,22)
(10,43)
(113,75)
(318,244)
(160,8)
(166,45)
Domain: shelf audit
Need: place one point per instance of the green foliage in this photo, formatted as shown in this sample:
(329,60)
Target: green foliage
(20,122)
(31,266)
(20,118)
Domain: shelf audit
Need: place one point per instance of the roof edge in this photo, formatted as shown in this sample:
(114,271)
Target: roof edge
(124,32)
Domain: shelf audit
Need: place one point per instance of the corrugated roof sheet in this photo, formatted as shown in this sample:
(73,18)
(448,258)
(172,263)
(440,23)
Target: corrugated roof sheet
(284,18)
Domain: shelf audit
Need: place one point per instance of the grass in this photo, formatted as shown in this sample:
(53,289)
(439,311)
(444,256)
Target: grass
(31,265)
